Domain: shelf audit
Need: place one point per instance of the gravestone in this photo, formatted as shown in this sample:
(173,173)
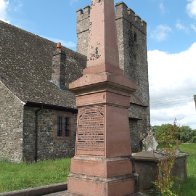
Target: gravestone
(146,166)
(149,142)
(146,163)
(101,165)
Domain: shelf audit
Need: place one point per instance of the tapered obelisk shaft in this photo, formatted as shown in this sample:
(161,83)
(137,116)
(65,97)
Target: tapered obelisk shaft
(102,48)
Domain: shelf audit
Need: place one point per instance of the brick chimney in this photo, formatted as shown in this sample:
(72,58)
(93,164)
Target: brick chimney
(58,67)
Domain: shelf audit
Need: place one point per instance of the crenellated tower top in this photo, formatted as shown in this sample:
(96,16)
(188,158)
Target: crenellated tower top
(83,13)
(122,11)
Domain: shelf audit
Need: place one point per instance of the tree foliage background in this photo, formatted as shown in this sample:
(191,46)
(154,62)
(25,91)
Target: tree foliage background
(183,134)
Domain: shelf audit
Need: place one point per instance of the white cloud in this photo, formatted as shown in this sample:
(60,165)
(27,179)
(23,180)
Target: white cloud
(160,33)
(73,1)
(188,28)
(172,86)
(162,8)
(16,5)
(182,27)
(3,10)
(7,7)
(191,8)
(193,27)
(68,44)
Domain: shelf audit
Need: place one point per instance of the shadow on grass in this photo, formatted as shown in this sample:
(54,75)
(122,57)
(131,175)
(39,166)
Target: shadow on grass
(187,188)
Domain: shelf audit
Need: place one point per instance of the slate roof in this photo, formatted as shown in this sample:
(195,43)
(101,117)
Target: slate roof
(25,67)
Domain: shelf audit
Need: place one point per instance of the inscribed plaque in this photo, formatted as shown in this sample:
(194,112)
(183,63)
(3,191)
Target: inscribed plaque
(90,135)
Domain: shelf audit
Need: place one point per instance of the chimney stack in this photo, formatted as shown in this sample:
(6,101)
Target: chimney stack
(58,67)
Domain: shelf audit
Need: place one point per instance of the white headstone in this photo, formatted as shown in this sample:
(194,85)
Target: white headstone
(150,143)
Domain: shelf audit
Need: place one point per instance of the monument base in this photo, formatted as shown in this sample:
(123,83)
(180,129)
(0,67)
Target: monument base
(96,186)
(99,176)
(101,167)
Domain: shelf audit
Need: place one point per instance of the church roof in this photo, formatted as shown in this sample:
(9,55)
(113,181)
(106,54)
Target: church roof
(25,67)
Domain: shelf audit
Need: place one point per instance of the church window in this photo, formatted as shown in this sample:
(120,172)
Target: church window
(135,37)
(59,126)
(66,126)
(63,126)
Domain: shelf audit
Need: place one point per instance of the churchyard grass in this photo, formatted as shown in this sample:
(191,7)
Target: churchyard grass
(188,188)
(22,175)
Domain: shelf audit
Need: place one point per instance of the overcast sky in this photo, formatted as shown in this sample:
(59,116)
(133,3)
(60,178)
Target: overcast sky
(171,45)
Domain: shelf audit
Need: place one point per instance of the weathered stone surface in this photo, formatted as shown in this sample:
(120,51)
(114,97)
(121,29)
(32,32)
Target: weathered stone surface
(49,145)
(26,70)
(83,21)
(101,165)
(11,125)
(146,165)
(132,46)
(58,67)
(149,142)
(26,67)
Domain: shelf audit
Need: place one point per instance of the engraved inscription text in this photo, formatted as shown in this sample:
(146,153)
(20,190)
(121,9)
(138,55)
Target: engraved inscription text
(91,129)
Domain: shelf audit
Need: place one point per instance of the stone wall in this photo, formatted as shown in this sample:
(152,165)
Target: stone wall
(49,145)
(83,20)
(11,125)
(58,67)
(138,126)
(145,165)
(131,33)
(29,134)
(26,69)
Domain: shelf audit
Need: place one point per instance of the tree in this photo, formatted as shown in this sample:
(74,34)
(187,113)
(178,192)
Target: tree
(186,134)
(181,133)
(166,134)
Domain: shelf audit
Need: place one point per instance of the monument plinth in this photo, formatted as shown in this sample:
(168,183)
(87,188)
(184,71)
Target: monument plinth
(101,165)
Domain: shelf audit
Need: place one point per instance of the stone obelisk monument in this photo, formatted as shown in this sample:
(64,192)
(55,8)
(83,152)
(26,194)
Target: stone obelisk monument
(101,165)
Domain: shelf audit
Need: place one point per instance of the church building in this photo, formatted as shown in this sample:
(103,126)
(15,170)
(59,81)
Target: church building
(37,109)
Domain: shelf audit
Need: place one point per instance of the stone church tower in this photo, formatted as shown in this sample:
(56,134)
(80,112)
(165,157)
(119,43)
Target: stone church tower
(132,45)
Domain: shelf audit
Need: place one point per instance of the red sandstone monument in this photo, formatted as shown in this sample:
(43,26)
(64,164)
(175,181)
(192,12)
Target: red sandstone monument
(101,165)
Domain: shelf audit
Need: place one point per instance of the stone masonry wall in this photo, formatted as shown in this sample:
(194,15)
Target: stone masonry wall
(138,126)
(11,125)
(83,21)
(49,145)
(29,134)
(131,33)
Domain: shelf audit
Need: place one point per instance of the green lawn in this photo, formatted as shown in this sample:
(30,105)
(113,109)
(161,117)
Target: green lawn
(20,176)
(188,188)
